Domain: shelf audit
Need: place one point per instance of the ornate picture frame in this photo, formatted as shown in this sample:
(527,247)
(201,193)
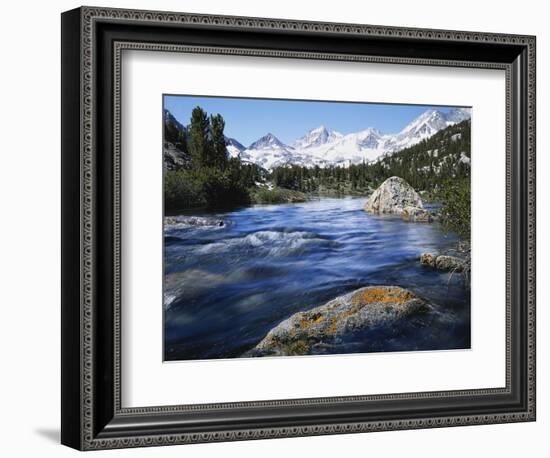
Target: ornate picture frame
(93,416)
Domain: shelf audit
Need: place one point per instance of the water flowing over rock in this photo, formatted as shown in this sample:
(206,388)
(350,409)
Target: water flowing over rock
(308,332)
(393,196)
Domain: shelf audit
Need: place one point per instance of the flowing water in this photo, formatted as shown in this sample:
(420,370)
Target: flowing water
(227,285)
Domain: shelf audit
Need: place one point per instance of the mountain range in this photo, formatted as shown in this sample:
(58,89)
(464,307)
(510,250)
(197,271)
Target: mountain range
(324,147)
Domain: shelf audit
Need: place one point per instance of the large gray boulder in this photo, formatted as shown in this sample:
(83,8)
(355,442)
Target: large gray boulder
(306,332)
(393,196)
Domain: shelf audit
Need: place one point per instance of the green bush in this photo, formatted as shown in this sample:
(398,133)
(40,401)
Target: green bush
(455,210)
(220,189)
(182,190)
(205,187)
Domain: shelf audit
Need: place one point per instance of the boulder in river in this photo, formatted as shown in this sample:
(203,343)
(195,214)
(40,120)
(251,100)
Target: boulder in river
(368,307)
(392,196)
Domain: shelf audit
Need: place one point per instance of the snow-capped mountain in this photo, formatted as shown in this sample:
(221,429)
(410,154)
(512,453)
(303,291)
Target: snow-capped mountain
(267,142)
(457,115)
(424,126)
(317,137)
(234,148)
(365,145)
(322,146)
(270,152)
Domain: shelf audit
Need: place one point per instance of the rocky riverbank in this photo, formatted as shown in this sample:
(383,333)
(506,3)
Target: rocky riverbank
(457,260)
(181,221)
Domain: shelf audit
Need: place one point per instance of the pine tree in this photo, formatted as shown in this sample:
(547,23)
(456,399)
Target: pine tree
(199,142)
(219,148)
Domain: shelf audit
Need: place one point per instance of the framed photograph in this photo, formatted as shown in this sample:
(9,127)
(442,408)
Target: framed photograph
(277,228)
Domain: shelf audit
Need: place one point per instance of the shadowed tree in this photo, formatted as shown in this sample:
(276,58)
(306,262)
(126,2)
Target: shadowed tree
(199,143)
(219,149)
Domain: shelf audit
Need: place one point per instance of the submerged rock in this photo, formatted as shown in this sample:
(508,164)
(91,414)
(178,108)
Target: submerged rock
(443,262)
(427,259)
(191,283)
(392,196)
(416,215)
(305,332)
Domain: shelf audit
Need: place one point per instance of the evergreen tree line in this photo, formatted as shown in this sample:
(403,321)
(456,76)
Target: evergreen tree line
(211,178)
(355,178)
(426,166)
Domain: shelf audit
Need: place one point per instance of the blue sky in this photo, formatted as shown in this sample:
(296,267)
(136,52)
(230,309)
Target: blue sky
(246,120)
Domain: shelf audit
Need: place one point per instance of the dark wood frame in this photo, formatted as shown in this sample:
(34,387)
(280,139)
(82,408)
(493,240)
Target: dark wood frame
(92,42)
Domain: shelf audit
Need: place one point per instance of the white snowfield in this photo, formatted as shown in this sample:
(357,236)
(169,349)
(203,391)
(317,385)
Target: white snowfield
(324,147)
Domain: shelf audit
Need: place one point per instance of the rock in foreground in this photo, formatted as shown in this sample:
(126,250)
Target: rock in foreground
(305,332)
(392,196)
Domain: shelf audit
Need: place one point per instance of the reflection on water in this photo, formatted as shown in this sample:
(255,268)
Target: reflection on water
(227,286)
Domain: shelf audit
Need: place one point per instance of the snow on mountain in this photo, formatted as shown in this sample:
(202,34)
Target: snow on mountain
(353,148)
(269,152)
(457,115)
(268,141)
(317,137)
(426,125)
(322,146)
(234,148)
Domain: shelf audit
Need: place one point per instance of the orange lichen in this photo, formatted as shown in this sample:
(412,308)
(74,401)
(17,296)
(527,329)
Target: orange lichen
(308,320)
(296,349)
(332,327)
(388,296)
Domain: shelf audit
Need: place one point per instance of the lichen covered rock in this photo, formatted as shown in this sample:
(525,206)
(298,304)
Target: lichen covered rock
(368,307)
(392,196)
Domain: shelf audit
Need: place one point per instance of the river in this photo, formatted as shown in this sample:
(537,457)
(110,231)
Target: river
(227,286)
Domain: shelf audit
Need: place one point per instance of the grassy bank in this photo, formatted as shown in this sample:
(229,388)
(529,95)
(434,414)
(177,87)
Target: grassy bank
(261,195)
